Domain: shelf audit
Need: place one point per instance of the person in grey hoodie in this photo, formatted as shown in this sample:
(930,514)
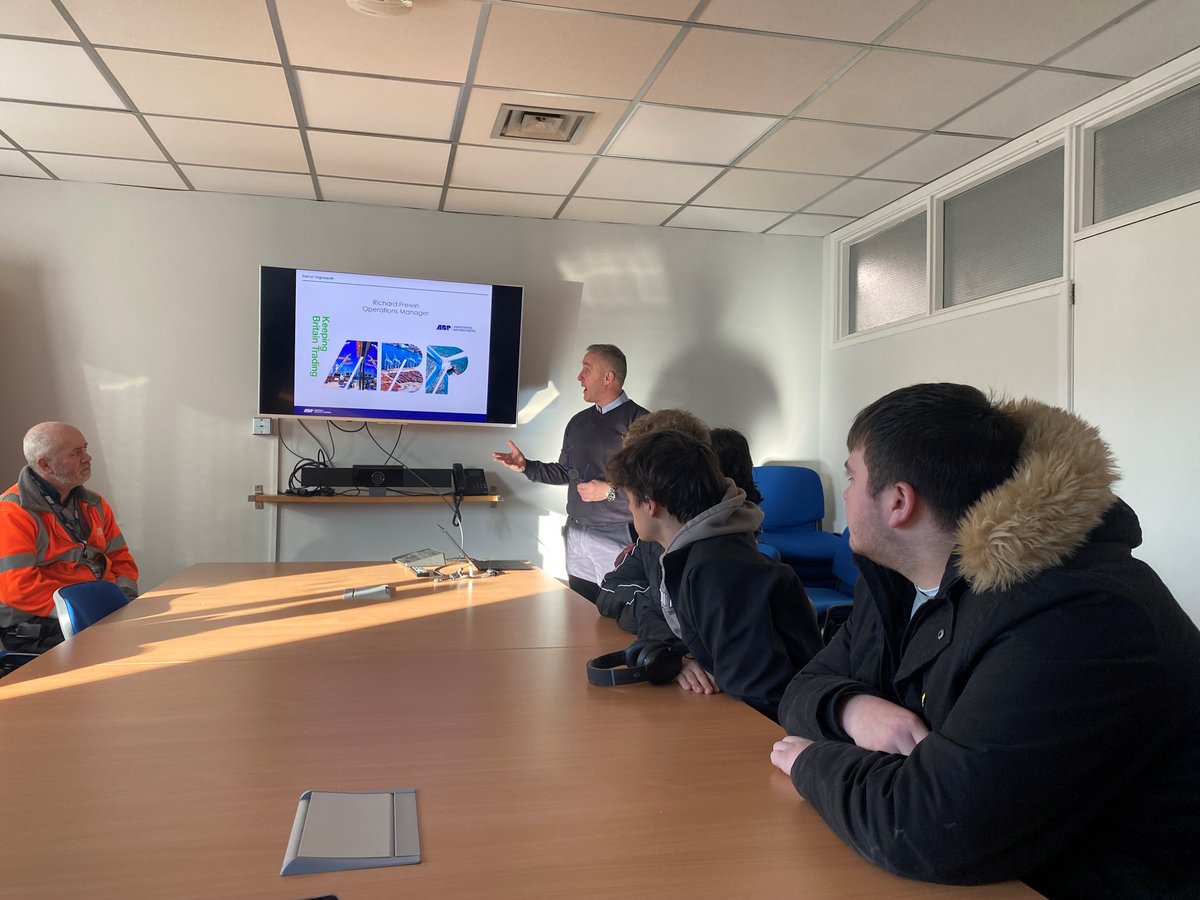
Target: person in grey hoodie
(745,619)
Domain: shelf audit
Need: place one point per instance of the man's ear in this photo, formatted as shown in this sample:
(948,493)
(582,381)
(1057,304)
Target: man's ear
(655,509)
(902,504)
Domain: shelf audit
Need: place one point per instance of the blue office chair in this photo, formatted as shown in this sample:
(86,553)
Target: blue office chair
(793,506)
(845,575)
(768,551)
(11,660)
(81,605)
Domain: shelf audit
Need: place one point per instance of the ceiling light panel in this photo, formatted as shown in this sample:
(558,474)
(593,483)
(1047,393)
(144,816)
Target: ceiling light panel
(380,193)
(621,212)
(781,191)
(25,65)
(432,43)
(228,144)
(801,145)
(1146,38)
(484,105)
(378,105)
(491,168)
(688,135)
(64,129)
(846,20)
(638,179)
(1032,100)
(498,203)
(203,88)
(908,90)
(381,158)
(35,18)
(933,156)
(757,73)
(112,171)
(548,50)
(1020,30)
(233,29)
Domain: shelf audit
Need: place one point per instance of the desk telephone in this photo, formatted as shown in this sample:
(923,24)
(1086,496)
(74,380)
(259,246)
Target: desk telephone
(469,482)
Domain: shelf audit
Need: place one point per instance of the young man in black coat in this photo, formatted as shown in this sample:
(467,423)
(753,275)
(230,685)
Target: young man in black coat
(1014,694)
(745,619)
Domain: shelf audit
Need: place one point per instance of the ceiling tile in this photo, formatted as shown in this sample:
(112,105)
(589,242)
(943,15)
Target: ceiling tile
(233,29)
(548,50)
(14,163)
(636,179)
(908,90)
(378,105)
(782,191)
(63,129)
(1148,37)
(1028,103)
(655,9)
(381,158)
(4,145)
(688,135)
(802,145)
(433,42)
(846,20)
(380,193)
(1018,30)
(859,197)
(516,170)
(242,181)
(810,225)
(35,18)
(111,171)
(758,73)
(484,106)
(620,211)
(933,156)
(498,203)
(204,88)
(230,144)
(724,219)
(23,75)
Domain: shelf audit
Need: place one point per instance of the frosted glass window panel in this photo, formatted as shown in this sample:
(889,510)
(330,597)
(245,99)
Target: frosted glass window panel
(1147,157)
(888,280)
(1005,233)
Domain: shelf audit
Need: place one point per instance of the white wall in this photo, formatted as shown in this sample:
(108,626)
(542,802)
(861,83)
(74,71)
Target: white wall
(133,313)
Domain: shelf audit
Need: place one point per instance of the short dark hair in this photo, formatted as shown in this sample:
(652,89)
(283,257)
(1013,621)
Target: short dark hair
(668,420)
(613,358)
(949,441)
(733,455)
(670,468)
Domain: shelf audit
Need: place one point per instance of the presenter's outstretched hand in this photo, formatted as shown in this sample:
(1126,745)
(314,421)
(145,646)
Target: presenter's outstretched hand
(514,458)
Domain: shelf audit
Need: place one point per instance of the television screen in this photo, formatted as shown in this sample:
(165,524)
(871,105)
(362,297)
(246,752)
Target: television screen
(342,346)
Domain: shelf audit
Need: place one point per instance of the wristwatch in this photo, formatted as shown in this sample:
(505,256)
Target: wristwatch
(612,494)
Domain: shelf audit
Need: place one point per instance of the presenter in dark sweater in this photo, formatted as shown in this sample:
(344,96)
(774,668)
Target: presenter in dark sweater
(598,515)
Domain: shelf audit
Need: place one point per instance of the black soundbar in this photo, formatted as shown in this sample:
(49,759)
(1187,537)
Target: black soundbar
(377,476)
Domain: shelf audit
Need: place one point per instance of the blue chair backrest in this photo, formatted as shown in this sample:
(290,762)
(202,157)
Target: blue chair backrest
(81,605)
(792,497)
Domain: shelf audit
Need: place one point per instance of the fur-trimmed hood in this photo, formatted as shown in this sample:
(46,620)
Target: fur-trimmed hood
(1058,494)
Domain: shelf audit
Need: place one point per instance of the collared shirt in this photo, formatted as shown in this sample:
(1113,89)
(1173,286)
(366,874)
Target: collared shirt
(606,409)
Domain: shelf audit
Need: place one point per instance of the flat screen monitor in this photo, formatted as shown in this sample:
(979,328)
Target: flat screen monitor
(336,345)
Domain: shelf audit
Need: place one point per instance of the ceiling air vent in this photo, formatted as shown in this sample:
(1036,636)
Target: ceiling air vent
(533,123)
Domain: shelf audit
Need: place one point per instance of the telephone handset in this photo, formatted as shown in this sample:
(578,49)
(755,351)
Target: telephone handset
(469,482)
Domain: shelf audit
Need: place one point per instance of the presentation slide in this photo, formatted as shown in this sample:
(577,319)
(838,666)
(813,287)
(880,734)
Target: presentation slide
(392,347)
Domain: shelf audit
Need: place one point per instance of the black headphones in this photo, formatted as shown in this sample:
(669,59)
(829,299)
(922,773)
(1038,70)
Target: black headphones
(646,660)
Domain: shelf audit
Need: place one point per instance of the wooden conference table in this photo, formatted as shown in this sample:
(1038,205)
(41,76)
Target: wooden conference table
(163,751)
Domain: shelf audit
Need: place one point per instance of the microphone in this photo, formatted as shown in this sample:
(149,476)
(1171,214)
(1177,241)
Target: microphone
(375,592)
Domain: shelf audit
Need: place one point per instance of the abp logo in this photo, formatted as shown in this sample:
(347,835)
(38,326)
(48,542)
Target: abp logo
(443,328)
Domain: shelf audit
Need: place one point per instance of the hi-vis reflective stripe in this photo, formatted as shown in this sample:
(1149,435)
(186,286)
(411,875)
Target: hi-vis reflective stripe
(18,561)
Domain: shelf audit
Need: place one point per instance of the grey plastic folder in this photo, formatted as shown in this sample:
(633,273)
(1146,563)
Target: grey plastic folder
(334,831)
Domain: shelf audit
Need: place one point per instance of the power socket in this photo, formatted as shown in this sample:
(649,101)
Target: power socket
(261,425)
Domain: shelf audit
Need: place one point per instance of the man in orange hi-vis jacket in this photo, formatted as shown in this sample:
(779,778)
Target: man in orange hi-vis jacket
(54,532)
